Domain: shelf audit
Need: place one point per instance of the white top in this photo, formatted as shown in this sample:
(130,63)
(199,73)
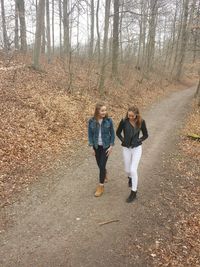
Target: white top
(100,142)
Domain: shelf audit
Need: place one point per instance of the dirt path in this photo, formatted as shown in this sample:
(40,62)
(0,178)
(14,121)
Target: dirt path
(57,224)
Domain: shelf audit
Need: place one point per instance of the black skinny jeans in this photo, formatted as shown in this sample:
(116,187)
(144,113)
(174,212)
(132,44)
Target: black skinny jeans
(101,158)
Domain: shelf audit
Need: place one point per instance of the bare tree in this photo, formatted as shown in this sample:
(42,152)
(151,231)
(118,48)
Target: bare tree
(21,10)
(105,44)
(184,38)
(5,35)
(98,33)
(48,32)
(197,94)
(16,26)
(195,31)
(115,44)
(38,33)
(60,26)
(152,33)
(66,26)
(91,48)
(120,29)
(53,25)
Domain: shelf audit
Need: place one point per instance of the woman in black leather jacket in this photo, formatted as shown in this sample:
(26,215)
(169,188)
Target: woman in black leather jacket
(131,127)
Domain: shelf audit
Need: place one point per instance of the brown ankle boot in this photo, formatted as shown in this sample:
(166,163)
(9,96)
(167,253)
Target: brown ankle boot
(99,191)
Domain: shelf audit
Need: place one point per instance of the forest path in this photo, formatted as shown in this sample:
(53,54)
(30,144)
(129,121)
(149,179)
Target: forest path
(57,224)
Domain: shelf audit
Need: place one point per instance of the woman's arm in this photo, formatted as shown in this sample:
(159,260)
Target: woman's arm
(112,133)
(144,131)
(119,130)
(90,134)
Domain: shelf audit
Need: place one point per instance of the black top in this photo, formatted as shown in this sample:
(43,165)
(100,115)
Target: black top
(131,134)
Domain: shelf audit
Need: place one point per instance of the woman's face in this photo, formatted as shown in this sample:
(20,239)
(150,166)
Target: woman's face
(102,112)
(131,115)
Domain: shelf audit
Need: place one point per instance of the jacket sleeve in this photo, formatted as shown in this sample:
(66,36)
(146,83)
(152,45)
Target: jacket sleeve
(144,131)
(90,134)
(112,133)
(119,130)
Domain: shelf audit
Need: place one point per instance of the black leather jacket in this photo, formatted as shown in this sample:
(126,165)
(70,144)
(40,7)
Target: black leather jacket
(131,134)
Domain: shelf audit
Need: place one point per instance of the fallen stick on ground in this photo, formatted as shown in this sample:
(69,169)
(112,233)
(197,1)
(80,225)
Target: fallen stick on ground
(107,222)
(194,136)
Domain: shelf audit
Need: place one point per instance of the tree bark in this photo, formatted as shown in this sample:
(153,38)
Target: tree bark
(197,94)
(60,26)
(173,38)
(196,33)
(105,44)
(91,48)
(66,27)
(16,26)
(115,41)
(140,38)
(48,32)
(152,33)
(21,9)
(120,31)
(98,33)
(38,33)
(53,41)
(78,25)
(184,38)
(43,46)
(5,35)
(145,14)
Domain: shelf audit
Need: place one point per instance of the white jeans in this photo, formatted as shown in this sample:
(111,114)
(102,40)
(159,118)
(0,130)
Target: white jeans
(131,160)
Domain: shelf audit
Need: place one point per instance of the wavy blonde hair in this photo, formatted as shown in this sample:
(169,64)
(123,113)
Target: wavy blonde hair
(97,110)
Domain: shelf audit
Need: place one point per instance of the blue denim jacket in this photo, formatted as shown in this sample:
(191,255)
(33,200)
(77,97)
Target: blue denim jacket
(107,132)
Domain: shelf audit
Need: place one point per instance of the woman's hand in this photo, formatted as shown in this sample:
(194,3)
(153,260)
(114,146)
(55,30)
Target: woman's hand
(108,151)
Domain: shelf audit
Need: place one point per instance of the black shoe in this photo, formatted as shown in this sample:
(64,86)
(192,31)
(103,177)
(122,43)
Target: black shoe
(129,182)
(131,197)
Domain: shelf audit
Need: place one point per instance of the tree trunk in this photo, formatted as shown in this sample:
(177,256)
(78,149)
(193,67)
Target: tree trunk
(197,94)
(43,46)
(195,33)
(78,25)
(140,38)
(105,44)
(5,35)
(66,27)
(178,41)
(98,33)
(48,32)
(91,48)
(21,9)
(120,31)
(152,33)
(115,41)
(184,38)
(60,26)
(145,14)
(16,26)
(38,33)
(173,34)
(53,26)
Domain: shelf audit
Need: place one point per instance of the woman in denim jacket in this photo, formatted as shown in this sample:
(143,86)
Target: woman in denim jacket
(101,137)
